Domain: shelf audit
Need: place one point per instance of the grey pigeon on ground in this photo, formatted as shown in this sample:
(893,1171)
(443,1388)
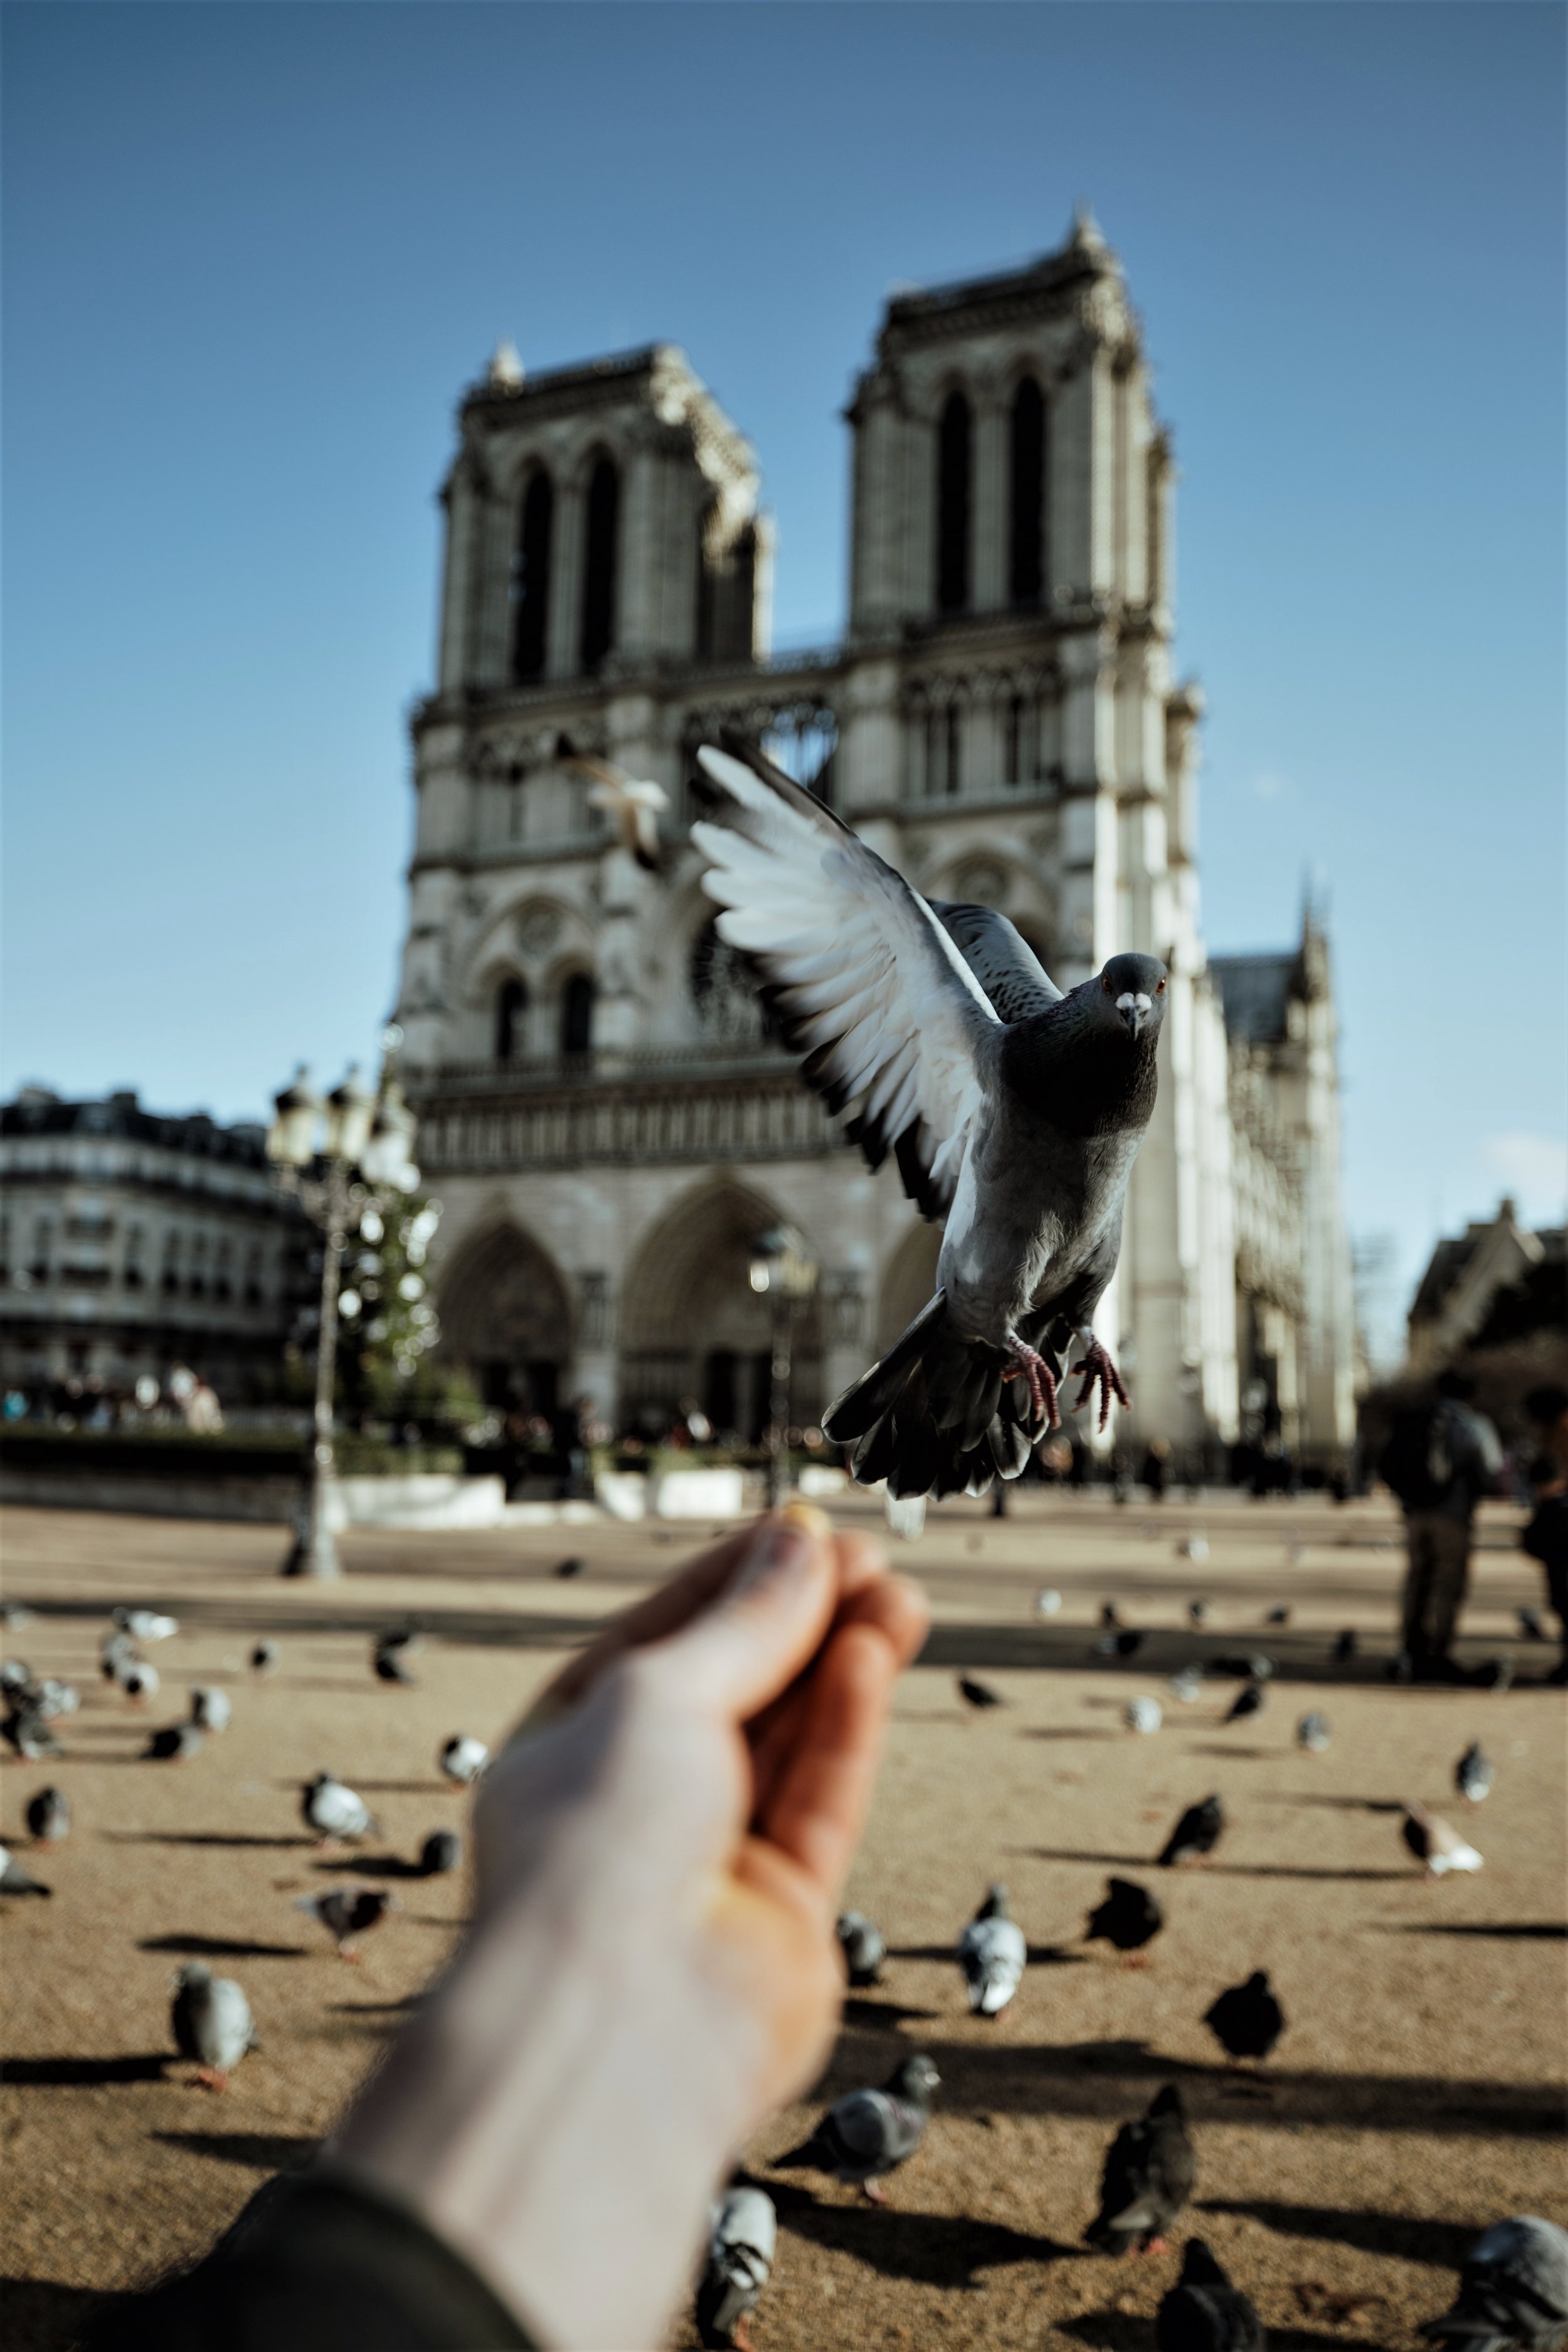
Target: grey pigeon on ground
(55,1699)
(1196,1833)
(14,1615)
(863,1945)
(210,1708)
(348,1911)
(978,1693)
(573,1566)
(146,1624)
(1280,1615)
(1312,1733)
(1049,1602)
(14,1880)
(740,2258)
(1014,1113)
(390,1654)
(1150,2169)
(264,1657)
(441,1852)
(869,2133)
(26,1731)
(1345,1646)
(1246,1702)
(1203,2312)
(1493,1673)
(118,1652)
(175,1743)
(1143,1714)
(1473,1773)
(212,2022)
(1513,2290)
(463,1760)
(1437,1842)
(1187,1683)
(49,1816)
(1247,2021)
(992,1953)
(334,1810)
(16,1680)
(1128,1918)
(1530,1626)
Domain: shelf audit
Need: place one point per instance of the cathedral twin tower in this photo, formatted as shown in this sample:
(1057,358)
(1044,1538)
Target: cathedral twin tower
(610,1122)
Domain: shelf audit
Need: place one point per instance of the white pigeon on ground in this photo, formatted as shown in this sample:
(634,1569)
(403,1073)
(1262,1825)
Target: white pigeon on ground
(1048,1603)
(1188,1684)
(634,806)
(463,1758)
(139,1680)
(1193,1547)
(333,1810)
(212,2022)
(210,1708)
(57,1698)
(1143,1714)
(992,1953)
(146,1624)
(741,2241)
(1437,1842)
(14,1880)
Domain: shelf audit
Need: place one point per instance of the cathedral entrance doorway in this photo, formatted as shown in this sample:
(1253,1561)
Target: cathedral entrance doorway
(506,1315)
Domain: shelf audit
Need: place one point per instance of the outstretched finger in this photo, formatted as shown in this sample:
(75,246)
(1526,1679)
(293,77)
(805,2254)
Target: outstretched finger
(818,1807)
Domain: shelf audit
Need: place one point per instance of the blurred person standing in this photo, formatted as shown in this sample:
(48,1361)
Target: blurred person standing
(1441,1459)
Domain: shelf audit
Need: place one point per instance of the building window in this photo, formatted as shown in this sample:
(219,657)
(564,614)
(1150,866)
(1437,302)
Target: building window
(530,579)
(601,526)
(43,1250)
(253,1275)
(130,1274)
(1026,568)
(511,1003)
(577,1017)
(222,1284)
(953,467)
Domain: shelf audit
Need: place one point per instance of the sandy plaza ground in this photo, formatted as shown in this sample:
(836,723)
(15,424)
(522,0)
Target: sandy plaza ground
(1415,2096)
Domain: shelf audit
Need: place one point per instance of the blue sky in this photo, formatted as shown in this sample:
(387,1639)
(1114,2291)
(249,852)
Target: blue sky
(252,254)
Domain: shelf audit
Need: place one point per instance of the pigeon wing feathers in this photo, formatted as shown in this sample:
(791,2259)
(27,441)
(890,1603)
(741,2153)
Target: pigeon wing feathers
(868,983)
(1001,959)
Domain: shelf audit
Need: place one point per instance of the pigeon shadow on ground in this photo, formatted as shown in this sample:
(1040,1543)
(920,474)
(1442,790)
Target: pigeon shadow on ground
(1544,1931)
(267,2150)
(1337,1805)
(1215,1869)
(930,2248)
(80,2073)
(881,2016)
(1235,1755)
(397,1788)
(373,1866)
(222,1947)
(1121,2331)
(198,1837)
(1442,2245)
(1066,1731)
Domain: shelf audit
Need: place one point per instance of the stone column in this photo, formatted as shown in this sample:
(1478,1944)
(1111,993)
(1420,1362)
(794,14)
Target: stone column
(635,581)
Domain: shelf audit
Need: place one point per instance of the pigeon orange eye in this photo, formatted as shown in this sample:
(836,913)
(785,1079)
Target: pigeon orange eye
(1161,990)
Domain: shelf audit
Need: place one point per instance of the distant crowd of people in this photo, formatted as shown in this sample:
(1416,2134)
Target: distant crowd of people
(90,1400)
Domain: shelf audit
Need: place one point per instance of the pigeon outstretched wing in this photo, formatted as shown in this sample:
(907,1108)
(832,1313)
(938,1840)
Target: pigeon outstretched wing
(999,956)
(869,985)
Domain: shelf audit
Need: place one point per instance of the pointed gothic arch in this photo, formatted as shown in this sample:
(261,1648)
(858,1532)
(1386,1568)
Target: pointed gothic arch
(506,1314)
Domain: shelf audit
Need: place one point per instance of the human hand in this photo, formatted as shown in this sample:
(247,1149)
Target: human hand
(660,1851)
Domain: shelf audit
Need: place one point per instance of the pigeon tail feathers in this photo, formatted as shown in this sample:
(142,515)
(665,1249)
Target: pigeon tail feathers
(937,1414)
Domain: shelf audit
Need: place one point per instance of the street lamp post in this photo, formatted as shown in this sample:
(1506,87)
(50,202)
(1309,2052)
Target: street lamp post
(372,1134)
(783,1272)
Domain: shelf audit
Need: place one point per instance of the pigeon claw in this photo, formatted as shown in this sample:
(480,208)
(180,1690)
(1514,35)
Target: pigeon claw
(1042,1381)
(1099,1371)
(212,2078)
(874,2192)
(741,2336)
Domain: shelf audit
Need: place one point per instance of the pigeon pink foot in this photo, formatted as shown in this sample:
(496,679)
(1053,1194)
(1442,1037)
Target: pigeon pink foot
(1042,1381)
(1099,1371)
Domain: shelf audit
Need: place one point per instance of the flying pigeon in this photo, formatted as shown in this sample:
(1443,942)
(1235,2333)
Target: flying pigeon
(1312,1733)
(1048,1603)
(175,1743)
(349,1911)
(14,1880)
(863,1945)
(441,1852)
(210,1708)
(1435,1842)
(1513,2290)
(54,1699)
(390,1654)
(869,2133)
(1530,1626)
(740,2257)
(1203,2312)
(146,1624)
(573,1566)
(1247,2021)
(1473,1773)
(139,1681)
(264,1657)
(1014,1113)
(1128,1918)
(463,1760)
(212,2022)
(26,1730)
(633,807)
(1246,1702)
(1150,2169)
(1143,1714)
(333,1810)
(1188,1684)
(1195,1835)
(1277,1616)
(1345,1646)
(992,1953)
(979,1694)
(1193,1547)
(1198,1612)
(49,1816)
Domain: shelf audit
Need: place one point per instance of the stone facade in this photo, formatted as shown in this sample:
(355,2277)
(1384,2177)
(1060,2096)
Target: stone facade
(606,1118)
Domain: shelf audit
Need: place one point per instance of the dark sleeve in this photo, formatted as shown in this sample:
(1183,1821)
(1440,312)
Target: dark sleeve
(318,2261)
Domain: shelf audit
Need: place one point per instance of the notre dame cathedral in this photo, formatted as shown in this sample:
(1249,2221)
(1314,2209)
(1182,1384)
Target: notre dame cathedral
(603,1113)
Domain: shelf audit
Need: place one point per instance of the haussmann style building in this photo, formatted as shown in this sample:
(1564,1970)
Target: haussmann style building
(607,1119)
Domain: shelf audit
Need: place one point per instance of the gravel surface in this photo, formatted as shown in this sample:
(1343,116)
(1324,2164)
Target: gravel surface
(1415,2096)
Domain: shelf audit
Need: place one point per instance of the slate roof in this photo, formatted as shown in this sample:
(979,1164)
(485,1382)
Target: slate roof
(1255,991)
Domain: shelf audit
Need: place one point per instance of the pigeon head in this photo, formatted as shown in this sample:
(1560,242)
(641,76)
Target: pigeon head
(1258,1981)
(1132,988)
(194,1976)
(995,1903)
(1199,2267)
(916,2079)
(1170,2102)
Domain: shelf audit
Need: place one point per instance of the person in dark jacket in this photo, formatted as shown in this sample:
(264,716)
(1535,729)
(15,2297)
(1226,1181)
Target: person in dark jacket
(1441,1460)
(652,1968)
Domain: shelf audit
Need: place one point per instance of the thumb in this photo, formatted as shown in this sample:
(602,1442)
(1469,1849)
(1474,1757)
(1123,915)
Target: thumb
(766,1625)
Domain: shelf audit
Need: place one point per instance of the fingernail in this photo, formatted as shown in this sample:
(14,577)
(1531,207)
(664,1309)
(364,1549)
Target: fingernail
(806,1516)
(780,1545)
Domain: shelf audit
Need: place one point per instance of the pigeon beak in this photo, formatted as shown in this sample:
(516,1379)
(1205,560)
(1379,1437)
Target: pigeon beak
(1135,1010)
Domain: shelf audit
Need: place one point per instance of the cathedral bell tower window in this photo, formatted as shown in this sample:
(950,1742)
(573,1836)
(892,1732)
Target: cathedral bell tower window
(601,530)
(1026,567)
(511,1003)
(530,579)
(954,466)
(577,1017)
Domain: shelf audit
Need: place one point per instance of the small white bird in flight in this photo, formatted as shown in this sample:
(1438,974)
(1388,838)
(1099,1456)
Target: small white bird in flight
(636,805)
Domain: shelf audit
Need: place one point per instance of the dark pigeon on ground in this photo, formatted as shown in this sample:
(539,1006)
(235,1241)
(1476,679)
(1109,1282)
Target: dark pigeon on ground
(1198,1612)
(14,1880)
(1473,1773)
(348,1911)
(869,2133)
(1203,2312)
(1247,2021)
(391,1652)
(264,1657)
(1129,1644)
(1150,2169)
(863,1946)
(1246,1665)
(573,1566)
(1014,1113)
(1110,1616)
(1513,2290)
(175,1743)
(1277,1616)
(1530,1626)
(49,1816)
(1493,1673)
(1196,1833)
(979,1694)
(1313,1732)
(738,2260)
(1345,1646)
(441,1852)
(1128,1918)
(1246,1702)
(26,1729)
